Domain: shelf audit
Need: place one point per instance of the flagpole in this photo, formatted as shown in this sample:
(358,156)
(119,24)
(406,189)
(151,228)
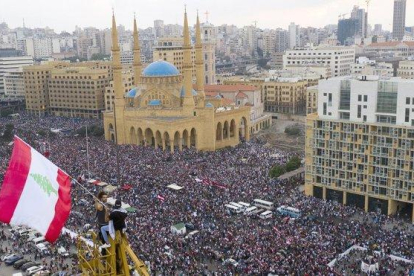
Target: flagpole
(87,153)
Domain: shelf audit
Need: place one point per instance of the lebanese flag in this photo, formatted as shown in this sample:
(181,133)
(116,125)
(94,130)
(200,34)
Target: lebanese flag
(160,197)
(35,192)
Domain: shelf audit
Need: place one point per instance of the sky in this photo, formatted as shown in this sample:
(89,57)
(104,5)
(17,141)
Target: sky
(64,15)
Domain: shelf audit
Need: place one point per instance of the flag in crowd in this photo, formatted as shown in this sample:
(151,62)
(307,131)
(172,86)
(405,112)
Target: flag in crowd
(35,192)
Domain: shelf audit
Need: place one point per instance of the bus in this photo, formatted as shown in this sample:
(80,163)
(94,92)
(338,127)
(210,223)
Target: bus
(289,211)
(232,209)
(241,207)
(266,215)
(263,204)
(249,211)
(244,204)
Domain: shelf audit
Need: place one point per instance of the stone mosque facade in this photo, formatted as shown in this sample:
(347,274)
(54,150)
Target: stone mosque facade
(165,109)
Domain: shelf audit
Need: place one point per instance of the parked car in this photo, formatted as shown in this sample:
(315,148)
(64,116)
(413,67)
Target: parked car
(13,259)
(19,263)
(33,270)
(6,256)
(42,273)
(27,265)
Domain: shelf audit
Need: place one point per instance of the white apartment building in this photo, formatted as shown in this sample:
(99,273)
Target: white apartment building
(294,35)
(14,85)
(12,64)
(406,69)
(338,58)
(39,47)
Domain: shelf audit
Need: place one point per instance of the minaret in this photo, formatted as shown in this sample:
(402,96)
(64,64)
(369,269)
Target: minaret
(188,100)
(137,55)
(119,104)
(199,63)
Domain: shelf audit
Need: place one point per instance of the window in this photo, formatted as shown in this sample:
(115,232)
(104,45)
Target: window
(365,98)
(407,100)
(387,102)
(359,111)
(324,108)
(364,118)
(407,115)
(359,98)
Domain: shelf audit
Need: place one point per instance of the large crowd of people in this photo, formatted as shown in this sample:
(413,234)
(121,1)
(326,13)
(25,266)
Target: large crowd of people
(283,247)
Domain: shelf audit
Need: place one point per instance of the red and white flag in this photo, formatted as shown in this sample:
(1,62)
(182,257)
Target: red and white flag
(35,192)
(160,197)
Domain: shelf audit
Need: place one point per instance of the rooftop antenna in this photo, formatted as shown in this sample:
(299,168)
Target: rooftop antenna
(255,23)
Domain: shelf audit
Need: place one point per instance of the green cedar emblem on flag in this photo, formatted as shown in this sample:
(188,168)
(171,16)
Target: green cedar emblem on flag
(44,183)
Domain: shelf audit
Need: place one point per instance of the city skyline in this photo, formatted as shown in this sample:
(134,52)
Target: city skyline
(270,15)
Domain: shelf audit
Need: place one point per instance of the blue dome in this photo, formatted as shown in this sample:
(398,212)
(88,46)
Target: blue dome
(159,69)
(131,93)
(183,93)
(154,103)
(209,105)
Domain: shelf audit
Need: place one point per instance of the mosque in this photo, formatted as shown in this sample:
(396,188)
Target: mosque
(165,110)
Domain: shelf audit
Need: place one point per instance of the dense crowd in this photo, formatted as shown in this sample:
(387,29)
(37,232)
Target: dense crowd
(297,247)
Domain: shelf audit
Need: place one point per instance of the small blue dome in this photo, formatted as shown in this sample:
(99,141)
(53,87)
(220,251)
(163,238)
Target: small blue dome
(160,68)
(154,103)
(209,105)
(183,93)
(218,96)
(131,93)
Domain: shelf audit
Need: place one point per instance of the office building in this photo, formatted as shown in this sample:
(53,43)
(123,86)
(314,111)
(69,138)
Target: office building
(398,26)
(10,61)
(360,17)
(347,29)
(338,58)
(14,84)
(360,144)
(158,28)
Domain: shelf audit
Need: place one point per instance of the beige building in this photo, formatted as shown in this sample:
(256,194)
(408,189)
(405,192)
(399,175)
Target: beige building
(285,96)
(170,49)
(75,90)
(406,69)
(360,144)
(164,111)
(127,83)
(311,99)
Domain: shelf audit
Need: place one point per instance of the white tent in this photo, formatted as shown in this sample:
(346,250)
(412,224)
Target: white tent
(174,187)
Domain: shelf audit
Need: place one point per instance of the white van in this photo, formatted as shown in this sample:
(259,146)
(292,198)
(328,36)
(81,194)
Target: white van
(233,209)
(266,215)
(38,240)
(244,204)
(240,207)
(249,211)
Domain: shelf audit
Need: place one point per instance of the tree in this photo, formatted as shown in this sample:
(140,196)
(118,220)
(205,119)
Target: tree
(293,164)
(277,171)
(292,131)
(99,57)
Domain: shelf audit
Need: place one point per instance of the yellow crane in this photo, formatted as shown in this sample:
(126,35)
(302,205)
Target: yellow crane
(113,261)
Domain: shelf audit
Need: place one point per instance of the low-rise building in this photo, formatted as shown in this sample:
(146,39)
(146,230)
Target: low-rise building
(406,69)
(240,95)
(14,85)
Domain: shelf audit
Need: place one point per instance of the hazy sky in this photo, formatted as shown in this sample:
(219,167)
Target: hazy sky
(65,15)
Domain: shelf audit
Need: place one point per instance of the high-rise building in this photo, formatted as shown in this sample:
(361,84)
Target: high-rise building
(398,25)
(338,58)
(294,35)
(347,28)
(360,144)
(158,28)
(378,29)
(282,41)
(360,16)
